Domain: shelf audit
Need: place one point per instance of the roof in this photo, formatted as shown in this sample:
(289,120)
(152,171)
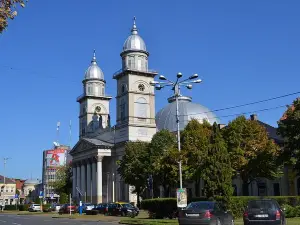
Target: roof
(7,180)
(166,117)
(272,132)
(97,142)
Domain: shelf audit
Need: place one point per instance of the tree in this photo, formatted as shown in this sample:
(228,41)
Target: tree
(63,181)
(8,10)
(164,160)
(288,128)
(133,167)
(195,141)
(252,153)
(216,167)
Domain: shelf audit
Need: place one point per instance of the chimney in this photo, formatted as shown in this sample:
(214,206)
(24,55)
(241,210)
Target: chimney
(253,117)
(221,126)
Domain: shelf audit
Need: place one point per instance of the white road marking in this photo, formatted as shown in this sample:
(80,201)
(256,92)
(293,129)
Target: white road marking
(16,223)
(3,221)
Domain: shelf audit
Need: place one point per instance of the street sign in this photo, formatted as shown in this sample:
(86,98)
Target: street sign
(52,196)
(181,197)
(16,196)
(41,194)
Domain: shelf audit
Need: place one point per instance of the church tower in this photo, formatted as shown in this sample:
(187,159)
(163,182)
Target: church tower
(94,104)
(135,97)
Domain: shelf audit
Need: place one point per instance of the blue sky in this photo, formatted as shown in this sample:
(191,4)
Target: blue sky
(243,50)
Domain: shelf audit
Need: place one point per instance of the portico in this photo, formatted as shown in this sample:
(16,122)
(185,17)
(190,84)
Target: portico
(91,165)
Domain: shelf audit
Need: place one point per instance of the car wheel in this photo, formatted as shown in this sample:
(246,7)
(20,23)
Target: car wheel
(123,214)
(218,222)
(232,222)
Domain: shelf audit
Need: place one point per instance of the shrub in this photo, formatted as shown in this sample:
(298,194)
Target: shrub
(24,207)
(10,207)
(160,208)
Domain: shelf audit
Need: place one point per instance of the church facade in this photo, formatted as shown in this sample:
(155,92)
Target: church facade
(100,146)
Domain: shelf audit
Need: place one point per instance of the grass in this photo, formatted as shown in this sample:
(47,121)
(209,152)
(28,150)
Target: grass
(145,221)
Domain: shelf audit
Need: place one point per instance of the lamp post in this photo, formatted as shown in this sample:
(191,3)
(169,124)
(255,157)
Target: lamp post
(176,88)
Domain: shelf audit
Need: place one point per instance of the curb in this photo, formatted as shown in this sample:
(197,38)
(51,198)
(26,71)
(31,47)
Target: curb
(84,220)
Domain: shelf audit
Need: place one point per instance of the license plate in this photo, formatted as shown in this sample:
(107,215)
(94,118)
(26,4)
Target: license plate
(262,216)
(192,215)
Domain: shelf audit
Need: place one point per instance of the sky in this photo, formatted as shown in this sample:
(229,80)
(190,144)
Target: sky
(244,51)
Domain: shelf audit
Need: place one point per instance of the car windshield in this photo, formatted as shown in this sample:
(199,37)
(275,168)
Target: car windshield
(201,205)
(127,205)
(261,204)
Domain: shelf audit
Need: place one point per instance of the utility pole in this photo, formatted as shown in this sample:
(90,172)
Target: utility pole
(5,161)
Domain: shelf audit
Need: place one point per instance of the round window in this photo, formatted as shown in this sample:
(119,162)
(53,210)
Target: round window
(141,87)
(97,109)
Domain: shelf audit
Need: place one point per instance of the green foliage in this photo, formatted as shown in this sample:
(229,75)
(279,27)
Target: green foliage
(134,165)
(252,153)
(24,207)
(10,207)
(160,208)
(288,128)
(164,157)
(195,141)
(216,170)
(63,182)
(8,10)
(63,198)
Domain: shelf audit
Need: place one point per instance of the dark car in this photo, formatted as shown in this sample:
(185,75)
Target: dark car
(205,213)
(122,209)
(102,208)
(264,211)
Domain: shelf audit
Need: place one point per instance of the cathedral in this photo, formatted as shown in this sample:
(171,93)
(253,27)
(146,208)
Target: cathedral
(101,145)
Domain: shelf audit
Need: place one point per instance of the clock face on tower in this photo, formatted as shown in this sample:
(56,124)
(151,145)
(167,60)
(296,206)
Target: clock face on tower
(98,109)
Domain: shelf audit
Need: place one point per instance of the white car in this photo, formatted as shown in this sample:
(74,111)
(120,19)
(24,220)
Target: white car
(34,208)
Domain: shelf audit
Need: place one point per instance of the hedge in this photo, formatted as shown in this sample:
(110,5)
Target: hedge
(25,207)
(167,207)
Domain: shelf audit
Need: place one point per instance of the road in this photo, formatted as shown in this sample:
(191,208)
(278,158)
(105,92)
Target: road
(9,219)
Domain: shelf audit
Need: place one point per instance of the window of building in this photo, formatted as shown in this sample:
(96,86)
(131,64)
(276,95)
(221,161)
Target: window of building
(131,63)
(90,89)
(141,108)
(276,189)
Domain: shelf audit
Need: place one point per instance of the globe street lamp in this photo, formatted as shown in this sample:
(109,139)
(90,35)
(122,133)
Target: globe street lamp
(176,88)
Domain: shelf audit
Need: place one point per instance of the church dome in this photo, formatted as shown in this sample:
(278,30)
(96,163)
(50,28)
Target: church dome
(166,117)
(134,41)
(94,71)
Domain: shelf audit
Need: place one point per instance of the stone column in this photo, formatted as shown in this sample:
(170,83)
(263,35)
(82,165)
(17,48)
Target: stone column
(94,182)
(78,180)
(74,181)
(83,181)
(88,182)
(99,179)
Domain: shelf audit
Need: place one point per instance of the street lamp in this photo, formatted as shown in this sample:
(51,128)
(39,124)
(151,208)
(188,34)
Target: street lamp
(176,88)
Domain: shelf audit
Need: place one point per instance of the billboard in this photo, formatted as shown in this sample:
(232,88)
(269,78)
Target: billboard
(55,157)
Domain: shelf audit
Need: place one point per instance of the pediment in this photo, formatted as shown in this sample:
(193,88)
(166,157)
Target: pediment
(82,145)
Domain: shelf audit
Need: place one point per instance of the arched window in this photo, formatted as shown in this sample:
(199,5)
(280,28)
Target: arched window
(122,109)
(90,89)
(140,107)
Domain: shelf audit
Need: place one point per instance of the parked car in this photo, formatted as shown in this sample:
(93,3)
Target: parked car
(205,213)
(264,211)
(102,208)
(34,208)
(121,209)
(66,208)
(87,206)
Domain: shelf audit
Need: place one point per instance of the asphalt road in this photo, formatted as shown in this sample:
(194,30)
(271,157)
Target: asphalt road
(42,220)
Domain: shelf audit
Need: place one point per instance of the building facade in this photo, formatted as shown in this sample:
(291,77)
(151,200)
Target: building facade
(53,159)
(7,191)
(100,146)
